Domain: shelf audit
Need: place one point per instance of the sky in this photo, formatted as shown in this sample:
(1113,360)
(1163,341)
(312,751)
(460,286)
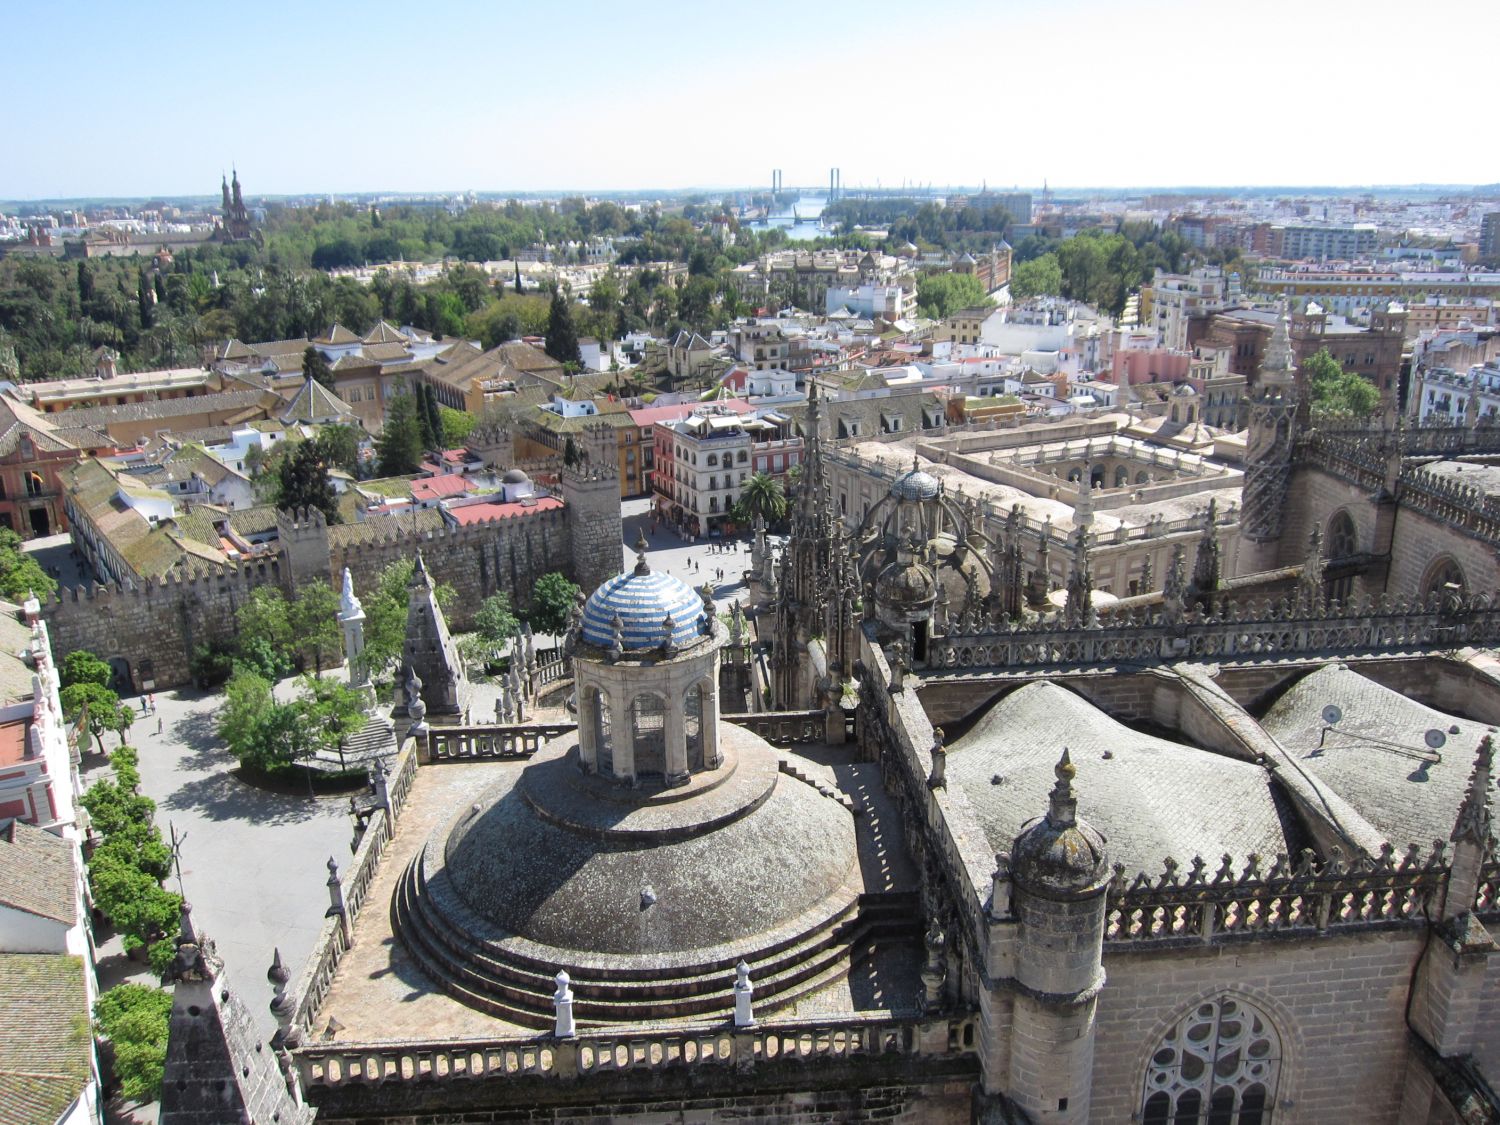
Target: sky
(104,98)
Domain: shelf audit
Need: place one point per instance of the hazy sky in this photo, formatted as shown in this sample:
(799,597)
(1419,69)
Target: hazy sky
(130,99)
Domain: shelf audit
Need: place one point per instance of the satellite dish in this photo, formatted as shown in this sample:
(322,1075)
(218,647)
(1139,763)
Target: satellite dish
(1332,714)
(1435,739)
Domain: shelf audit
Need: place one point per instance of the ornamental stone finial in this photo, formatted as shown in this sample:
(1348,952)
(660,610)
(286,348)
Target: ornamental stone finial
(641,566)
(744,992)
(1064,806)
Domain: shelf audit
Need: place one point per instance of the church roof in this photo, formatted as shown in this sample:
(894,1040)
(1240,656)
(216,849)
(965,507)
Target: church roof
(1149,797)
(642,602)
(36,873)
(45,1047)
(314,402)
(1373,754)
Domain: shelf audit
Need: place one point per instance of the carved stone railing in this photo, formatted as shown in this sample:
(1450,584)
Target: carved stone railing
(495,741)
(1296,896)
(1430,439)
(401,780)
(623,1050)
(784,728)
(1450,501)
(1487,893)
(1361,460)
(551,666)
(1247,630)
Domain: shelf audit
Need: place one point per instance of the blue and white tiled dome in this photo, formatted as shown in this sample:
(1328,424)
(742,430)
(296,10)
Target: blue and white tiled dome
(642,601)
(915,485)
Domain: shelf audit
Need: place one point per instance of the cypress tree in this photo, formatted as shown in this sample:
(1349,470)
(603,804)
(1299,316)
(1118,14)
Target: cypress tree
(518,277)
(562,336)
(85,283)
(314,366)
(143,300)
(399,446)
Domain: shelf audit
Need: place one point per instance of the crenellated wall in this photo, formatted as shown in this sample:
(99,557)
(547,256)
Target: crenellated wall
(155,627)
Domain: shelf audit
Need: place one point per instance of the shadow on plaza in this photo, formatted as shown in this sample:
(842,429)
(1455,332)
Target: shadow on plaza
(217,792)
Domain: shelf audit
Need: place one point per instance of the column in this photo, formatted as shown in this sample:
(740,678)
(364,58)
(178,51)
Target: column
(709,722)
(676,766)
(588,727)
(621,734)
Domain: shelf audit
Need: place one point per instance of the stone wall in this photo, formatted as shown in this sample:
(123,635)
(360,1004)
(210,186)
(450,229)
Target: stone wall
(1338,1004)
(156,627)
(934,1101)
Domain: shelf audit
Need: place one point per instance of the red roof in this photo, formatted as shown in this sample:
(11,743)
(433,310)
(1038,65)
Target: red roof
(479,513)
(12,742)
(439,488)
(649,415)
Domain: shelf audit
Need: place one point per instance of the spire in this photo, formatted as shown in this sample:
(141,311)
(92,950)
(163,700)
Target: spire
(1063,811)
(641,566)
(1473,824)
(1278,366)
(419,575)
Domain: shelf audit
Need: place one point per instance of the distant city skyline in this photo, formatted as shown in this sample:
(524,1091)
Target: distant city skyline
(157,100)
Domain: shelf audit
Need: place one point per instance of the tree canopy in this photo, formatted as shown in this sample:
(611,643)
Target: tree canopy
(1335,391)
(399,446)
(941,295)
(134,1018)
(304,483)
(562,335)
(552,599)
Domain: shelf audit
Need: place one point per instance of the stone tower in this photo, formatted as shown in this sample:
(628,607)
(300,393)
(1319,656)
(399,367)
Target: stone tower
(592,495)
(303,535)
(1059,878)
(1268,456)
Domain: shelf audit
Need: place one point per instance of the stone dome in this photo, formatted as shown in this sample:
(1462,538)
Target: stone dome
(907,584)
(642,599)
(914,484)
(515,476)
(1058,854)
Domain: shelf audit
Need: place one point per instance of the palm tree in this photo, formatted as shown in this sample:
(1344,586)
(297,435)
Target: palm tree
(763,496)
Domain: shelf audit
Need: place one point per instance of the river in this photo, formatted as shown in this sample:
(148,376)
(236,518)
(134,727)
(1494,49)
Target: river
(806,207)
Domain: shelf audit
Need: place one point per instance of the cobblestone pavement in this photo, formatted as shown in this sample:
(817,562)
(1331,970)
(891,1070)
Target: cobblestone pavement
(694,563)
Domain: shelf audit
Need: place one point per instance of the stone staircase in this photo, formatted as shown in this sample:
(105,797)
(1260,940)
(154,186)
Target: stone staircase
(517,988)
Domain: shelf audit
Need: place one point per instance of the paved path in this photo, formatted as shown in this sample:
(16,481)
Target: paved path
(253,863)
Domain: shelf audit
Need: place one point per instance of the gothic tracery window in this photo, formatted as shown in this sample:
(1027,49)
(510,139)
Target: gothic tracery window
(1443,575)
(1218,1066)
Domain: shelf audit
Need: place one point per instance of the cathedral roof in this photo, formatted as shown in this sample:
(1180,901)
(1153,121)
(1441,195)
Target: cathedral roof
(642,601)
(1149,797)
(1375,754)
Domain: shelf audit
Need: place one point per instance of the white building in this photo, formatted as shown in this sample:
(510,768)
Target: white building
(1175,298)
(1441,394)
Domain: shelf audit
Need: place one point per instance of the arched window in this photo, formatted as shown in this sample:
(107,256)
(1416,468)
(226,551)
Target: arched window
(604,747)
(1143,477)
(1097,476)
(743,457)
(1343,539)
(648,735)
(713,459)
(692,726)
(1442,574)
(1218,1066)
(1122,477)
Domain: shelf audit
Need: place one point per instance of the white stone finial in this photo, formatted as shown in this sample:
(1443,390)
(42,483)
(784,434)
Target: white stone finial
(744,993)
(562,1004)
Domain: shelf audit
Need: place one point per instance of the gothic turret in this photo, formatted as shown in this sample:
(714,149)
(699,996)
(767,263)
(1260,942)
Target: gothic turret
(1060,876)
(429,651)
(1268,458)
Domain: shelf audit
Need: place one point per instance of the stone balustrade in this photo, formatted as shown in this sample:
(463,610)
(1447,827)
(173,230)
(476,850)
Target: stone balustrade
(489,741)
(624,1050)
(1300,896)
(784,728)
(1248,630)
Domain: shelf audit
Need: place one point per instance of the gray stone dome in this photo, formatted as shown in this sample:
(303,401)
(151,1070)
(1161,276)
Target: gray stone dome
(646,899)
(1059,855)
(906,584)
(515,476)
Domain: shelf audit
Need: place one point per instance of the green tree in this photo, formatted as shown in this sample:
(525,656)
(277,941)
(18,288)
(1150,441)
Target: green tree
(1040,277)
(98,706)
(495,621)
(134,1018)
(399,447)
(303,479)
(552,600)
(431,421)
(332,710)
(21,576)
(764,496)
(562,336)
(338,445)
(457,426)
(1336,392)
(315,367)
(264,619)
(313,618)
(247,701)
(82,667)
(941,295)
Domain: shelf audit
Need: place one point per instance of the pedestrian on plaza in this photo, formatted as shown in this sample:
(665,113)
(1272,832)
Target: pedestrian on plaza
(151,699)
(158,724)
